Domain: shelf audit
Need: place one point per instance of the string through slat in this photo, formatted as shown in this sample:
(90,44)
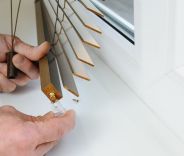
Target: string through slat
(13,32)
(64,13)
(55,25)
(56,35)
(11,6)
(60,22)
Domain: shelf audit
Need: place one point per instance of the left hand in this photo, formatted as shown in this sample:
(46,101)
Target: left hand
(23,60)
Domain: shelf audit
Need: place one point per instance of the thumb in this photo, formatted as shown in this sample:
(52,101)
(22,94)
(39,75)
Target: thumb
(31,52)
(54,128)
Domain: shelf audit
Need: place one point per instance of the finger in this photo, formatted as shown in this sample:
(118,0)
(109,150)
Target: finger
(2,57)
(21,79)
(26,66)
(3,68)
(32,53)
(4,47)
(54,128)
(6,85)
(45,148)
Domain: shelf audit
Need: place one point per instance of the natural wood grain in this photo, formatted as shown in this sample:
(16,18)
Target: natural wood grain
(46,78)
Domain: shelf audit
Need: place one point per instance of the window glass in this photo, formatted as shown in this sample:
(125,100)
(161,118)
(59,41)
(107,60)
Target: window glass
(119,13)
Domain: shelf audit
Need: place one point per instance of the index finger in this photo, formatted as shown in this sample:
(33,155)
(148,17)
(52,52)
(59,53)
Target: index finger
(31,52)
(55,128)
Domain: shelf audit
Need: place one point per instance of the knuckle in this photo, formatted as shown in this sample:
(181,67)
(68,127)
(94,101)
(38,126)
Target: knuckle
(7,108)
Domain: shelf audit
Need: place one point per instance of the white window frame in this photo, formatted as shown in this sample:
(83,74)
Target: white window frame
(158,43)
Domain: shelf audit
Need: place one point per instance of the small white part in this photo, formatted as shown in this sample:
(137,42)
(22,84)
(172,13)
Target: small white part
(58,109)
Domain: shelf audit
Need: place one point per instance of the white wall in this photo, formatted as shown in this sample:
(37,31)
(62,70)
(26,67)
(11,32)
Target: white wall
(149,66)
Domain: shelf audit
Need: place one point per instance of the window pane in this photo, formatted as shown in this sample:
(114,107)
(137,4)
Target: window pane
(124,8)
(120,13)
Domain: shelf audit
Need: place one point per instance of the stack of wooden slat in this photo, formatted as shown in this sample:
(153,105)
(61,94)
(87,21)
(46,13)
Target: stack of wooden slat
(65,24)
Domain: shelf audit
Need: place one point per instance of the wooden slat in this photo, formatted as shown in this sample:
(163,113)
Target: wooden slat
(47,86)
(78,46)
(83,14)
(54,71)
(66,74)
(80,29)
(73,38)
(91,7)
(76,65)
(63,65)
(84,33)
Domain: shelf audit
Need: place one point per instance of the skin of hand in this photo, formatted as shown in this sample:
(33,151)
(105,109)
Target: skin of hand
(20,134)
(23,60)
(23,135)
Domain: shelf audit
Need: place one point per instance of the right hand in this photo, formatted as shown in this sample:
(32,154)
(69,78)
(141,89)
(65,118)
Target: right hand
(24,135)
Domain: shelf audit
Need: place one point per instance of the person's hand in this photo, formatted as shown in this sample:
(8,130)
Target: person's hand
(23,135)
(22,60)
